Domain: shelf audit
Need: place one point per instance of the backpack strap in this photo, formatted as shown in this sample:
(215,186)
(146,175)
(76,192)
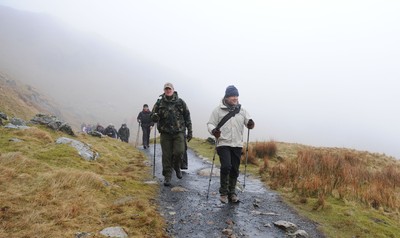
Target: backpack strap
(228,116)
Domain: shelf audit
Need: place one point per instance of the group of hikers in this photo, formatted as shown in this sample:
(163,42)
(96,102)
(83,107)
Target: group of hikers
(172,117)
(226,124)
(123,132)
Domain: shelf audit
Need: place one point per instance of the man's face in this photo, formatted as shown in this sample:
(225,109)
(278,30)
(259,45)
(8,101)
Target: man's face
(146,108)
(232,100)
(168,91)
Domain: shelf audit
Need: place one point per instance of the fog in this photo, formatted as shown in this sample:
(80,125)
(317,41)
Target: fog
(309,72)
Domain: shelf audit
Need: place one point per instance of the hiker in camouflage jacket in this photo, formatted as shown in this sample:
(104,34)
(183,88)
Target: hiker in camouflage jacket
(173,118)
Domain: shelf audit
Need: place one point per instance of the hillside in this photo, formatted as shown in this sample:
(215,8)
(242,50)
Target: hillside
(48,190)
(24,101)
(349,193)
(20,100)
(91,78)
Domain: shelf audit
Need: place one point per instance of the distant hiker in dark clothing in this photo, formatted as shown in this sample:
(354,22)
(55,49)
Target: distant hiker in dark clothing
(123,133)
(229,141)
(99,128)
(111,131)
(146,123)
(173,117)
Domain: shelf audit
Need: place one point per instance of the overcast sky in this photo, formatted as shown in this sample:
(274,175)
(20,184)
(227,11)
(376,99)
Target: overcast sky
(322,73)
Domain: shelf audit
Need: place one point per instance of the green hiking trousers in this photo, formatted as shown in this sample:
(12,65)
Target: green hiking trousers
(172,147)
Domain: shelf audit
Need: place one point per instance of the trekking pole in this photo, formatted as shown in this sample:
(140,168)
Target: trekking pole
(212,166)
(247,156)
(154,154)
(137,135)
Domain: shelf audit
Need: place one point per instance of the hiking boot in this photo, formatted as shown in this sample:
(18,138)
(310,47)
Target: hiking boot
(178,173)
(223,198)
(167,182)
(233,198)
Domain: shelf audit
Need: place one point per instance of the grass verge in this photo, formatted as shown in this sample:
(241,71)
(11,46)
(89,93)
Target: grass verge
(48,190)
(337,214)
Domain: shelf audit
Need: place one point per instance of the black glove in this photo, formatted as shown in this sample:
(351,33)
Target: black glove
(155,117)
(216,132)
(250,124)
(189,136)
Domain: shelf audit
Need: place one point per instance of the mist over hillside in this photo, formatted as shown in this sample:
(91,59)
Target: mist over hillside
(307,88)
(94,79)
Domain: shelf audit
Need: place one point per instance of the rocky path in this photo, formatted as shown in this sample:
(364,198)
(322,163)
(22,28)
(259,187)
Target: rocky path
(189,214)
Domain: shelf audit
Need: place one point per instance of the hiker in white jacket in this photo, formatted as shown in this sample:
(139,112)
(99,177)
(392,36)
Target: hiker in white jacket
(227,123)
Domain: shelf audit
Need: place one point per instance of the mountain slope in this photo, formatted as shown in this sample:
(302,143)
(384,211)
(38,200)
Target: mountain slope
(97,80)
(49,190)
(17,99)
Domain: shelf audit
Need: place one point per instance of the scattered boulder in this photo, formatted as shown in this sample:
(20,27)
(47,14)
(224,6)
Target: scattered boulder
(105,182)
(150,182)
(12,126)
(299,234)
(211,140)
(16,140)
(264,213)
(53,123)
(3,116)
(83,149)
(95,134)
(43,119)
(114,232)
(178,189)
(66,129)
(17,122)
(83,234)
(287,226)
(206,172)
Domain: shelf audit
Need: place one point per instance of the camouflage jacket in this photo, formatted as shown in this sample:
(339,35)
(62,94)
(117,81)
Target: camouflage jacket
(174,114)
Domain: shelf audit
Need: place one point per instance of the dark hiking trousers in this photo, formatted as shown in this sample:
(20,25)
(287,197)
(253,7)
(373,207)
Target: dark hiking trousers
(230,162)
(146,135)
(172,147)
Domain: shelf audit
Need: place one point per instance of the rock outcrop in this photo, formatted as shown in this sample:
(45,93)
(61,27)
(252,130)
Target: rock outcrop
(53,122)
(83,149)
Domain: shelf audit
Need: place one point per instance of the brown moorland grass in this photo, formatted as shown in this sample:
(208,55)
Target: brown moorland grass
(349,193)
(48,190)
(322,174)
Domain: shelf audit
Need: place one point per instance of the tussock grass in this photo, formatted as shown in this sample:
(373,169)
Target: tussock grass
(323,174)
(349,193)
(259,153)
(35,134)
(47,190)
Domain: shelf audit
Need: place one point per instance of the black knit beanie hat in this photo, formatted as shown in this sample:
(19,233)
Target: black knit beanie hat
(231,91)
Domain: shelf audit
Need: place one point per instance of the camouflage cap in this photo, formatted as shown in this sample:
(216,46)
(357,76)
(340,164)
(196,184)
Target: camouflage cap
(168,85)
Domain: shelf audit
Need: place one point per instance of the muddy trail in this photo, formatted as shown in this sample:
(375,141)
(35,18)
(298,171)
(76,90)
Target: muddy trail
(188,213)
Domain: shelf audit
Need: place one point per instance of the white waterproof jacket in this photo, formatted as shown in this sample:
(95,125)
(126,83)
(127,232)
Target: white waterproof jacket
(232,130)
